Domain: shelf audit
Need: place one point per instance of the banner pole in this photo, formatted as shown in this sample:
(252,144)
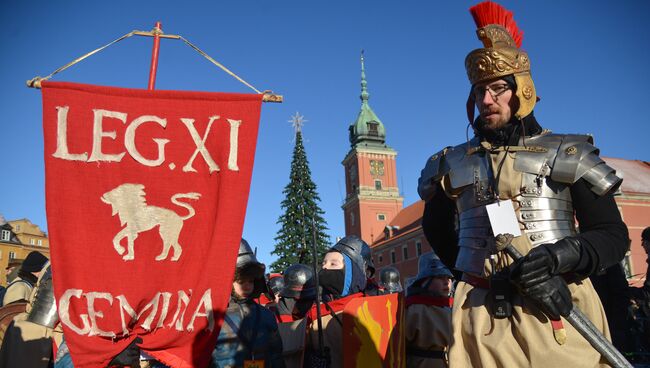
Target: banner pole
(157,30)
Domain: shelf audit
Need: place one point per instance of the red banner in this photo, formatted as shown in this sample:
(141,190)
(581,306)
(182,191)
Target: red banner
(373,332)
(146,196)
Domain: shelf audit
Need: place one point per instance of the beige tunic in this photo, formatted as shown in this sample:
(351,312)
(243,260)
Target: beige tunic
(17,290)
(428,328)
(526,338)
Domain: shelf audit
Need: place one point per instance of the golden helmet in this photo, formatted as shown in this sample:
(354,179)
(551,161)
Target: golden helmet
(500,56)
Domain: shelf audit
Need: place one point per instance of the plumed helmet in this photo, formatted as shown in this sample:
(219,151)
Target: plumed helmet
(43,311)
(299,282)
(246,254)
(366,253)
(430,265)
(500,56)
(275,283)
(352,246)
(389,279)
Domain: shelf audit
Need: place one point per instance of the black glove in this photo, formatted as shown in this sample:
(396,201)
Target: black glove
(129,357)
(551,296)
(546,261)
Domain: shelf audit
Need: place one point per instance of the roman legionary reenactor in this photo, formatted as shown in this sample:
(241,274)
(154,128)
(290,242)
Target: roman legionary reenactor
(428,314)
(549,180)
(389,280)
(32,335)
(249,335)
(297,294)
(295,300)
(274,283)
(342,279)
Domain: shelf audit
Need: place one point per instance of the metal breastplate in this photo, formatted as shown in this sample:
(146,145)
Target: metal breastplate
(543,207)
(43,310)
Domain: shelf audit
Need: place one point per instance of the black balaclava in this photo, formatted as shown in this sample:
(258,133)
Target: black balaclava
(332,281)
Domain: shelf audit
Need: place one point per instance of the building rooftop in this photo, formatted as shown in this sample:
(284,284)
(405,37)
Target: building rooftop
(407,220)
(635,174)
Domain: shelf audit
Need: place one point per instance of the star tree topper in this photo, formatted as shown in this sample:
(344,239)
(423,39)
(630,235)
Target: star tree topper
(297,121)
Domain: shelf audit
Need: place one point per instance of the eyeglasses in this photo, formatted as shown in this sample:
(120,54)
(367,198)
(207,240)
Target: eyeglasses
(495,91)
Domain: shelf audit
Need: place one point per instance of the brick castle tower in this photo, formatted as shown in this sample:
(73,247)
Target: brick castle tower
(372,195)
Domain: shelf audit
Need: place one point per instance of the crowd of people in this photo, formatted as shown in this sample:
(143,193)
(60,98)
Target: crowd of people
(272,318)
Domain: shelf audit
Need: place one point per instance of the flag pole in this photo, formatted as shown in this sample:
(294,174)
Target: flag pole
(157,30)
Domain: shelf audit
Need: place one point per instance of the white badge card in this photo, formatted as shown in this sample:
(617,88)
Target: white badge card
(503,218)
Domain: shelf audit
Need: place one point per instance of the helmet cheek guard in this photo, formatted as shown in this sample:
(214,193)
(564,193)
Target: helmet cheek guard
(525,93)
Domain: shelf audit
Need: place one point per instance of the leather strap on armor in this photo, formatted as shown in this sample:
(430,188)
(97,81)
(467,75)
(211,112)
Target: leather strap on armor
(477,282)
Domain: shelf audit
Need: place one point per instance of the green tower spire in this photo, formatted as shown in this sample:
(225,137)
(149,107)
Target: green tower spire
(367,130)
(364,85)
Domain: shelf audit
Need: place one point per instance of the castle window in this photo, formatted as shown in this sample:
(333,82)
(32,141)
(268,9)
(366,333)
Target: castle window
(405,252)
(381,217)
(39,242)
(381,259)
(392,256)
(418,248)
(12,255)
(32,241)
(372,128)
(378,184)
(6,235)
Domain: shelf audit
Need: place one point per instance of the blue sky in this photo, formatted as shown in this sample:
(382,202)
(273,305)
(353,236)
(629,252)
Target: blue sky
(589,63)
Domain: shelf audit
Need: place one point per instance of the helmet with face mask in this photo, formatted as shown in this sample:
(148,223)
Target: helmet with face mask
(352,278)
(353,247)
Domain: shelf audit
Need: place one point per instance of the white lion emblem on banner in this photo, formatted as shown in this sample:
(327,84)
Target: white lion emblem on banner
(129,203)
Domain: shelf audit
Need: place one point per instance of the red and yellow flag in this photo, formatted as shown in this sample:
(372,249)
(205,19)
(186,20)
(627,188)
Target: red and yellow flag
(373,333)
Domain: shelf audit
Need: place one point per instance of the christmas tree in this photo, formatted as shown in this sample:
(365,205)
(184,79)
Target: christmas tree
(302,216)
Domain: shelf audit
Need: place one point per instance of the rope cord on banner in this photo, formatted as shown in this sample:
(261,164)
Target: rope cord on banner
(268,95)
(36,81)
(218,64)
